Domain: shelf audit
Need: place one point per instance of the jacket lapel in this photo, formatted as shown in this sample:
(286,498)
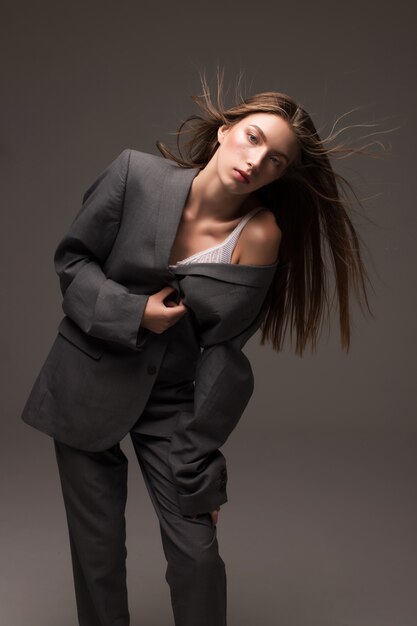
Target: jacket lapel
(176,186)
(224,299)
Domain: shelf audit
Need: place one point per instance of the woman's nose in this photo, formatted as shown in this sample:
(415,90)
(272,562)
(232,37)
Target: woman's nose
(254,162)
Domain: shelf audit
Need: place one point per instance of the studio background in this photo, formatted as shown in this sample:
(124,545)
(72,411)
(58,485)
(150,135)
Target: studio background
(320,525)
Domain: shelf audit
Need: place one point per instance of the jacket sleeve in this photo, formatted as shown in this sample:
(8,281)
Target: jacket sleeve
(100,306)
(224,384)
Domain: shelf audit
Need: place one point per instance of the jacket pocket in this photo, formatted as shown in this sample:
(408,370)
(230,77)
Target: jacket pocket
(91,346)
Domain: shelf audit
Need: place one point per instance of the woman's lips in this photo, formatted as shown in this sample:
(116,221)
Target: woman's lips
(241,177)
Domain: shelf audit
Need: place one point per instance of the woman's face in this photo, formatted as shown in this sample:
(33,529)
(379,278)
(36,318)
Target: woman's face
(261,145)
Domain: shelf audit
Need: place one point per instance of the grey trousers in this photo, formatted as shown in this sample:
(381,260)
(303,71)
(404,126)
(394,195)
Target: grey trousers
(94,487)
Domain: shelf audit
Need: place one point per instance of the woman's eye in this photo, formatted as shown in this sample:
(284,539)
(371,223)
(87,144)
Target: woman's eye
(274,159)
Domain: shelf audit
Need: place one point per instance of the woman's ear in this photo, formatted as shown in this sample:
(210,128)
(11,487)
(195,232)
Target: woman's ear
(221,131)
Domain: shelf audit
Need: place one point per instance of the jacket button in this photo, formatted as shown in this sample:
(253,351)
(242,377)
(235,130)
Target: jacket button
(151,369)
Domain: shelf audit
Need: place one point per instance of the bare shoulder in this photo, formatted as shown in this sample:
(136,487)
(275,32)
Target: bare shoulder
(260,239)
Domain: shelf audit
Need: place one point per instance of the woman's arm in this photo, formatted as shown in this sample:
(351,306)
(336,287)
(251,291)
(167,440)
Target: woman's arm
(100,306)
(224,384)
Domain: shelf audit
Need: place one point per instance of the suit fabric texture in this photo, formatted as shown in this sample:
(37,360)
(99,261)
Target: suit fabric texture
(179,394)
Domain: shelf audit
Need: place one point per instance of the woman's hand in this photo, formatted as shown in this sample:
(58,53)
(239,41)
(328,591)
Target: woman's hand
(158,315)
(214,516)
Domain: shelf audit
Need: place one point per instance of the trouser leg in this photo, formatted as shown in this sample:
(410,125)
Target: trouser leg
(94,488)
(195,573)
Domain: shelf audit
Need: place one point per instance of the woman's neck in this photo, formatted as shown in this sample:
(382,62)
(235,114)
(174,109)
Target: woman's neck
(210,199)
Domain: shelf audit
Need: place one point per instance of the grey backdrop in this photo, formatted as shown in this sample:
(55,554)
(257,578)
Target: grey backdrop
(321,529)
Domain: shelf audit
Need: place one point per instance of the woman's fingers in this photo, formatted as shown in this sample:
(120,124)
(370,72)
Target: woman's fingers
(162,310)
(213,514)
(162,293)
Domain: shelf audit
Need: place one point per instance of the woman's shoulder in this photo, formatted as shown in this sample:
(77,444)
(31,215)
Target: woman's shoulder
(144,166)
(145,157)
(260,238)
(262,227)
(151,162)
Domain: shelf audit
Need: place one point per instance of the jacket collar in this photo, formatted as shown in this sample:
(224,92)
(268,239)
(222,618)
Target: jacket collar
(250,275)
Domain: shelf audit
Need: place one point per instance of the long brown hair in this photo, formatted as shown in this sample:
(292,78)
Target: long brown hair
(309,209)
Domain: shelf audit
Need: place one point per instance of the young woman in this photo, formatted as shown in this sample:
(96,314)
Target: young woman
(166,271)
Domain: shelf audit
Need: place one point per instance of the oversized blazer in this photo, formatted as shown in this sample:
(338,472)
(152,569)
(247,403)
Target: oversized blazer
(100,370)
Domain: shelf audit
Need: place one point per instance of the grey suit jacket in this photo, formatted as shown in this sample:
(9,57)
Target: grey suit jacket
(100,370)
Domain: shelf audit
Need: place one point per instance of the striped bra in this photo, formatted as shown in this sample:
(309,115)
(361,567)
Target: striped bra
(221,252)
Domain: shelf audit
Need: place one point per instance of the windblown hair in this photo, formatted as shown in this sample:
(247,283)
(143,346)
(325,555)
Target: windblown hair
(309,209)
